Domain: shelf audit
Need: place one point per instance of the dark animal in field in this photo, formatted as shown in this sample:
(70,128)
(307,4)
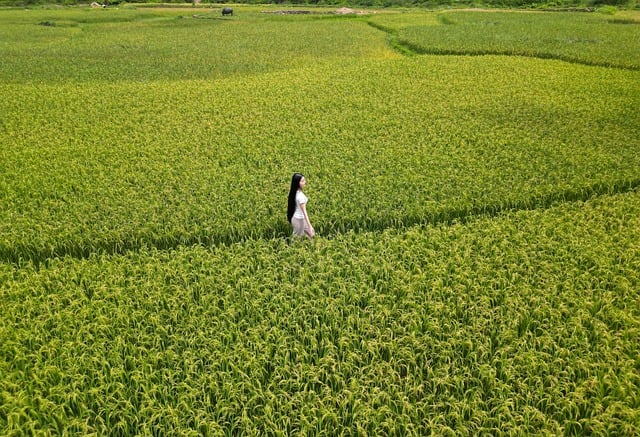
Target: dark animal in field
(227,11)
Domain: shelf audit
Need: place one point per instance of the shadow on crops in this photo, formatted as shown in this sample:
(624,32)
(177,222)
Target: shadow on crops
(281,230)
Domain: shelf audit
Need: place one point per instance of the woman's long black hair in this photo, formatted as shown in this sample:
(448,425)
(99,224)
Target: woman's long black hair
(295,186)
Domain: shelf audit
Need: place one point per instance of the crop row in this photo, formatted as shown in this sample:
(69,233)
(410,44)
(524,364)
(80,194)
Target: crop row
(92,166)
(525,323)
(384,143)
(84,45)
(593,39)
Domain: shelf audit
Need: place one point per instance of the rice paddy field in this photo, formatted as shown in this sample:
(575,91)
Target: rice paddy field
(473,179)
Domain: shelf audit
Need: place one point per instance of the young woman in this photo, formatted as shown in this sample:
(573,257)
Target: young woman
(297,208)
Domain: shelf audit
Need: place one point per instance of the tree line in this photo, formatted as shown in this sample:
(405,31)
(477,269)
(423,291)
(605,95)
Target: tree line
(585,5)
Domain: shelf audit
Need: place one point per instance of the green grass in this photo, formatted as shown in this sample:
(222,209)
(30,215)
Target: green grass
(476,269)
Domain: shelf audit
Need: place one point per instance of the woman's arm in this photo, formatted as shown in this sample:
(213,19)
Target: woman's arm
(310,230)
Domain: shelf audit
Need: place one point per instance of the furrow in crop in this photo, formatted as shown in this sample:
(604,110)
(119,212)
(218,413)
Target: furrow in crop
(82,250)
(392,37)
(407,47)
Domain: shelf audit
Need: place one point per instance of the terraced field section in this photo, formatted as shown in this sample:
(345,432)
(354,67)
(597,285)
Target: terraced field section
(592,39)
(476,269)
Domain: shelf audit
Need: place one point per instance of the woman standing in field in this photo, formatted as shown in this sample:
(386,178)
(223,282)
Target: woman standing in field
(297,208)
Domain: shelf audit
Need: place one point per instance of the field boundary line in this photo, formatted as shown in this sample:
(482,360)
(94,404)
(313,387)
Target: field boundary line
(394,42)
(407,49)
(81,250)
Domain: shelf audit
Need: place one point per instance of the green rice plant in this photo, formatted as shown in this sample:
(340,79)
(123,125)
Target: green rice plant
(143,45)
(592,39)
(143,289)
(284,338)
(95,166)
(164,169)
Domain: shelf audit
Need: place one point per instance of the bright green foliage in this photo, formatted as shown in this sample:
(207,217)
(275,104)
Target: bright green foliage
(525,324)
(384,143)
(477,265)
(594,39)
(147,45)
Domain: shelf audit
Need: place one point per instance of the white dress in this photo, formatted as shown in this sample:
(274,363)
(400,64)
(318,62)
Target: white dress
(297,221)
